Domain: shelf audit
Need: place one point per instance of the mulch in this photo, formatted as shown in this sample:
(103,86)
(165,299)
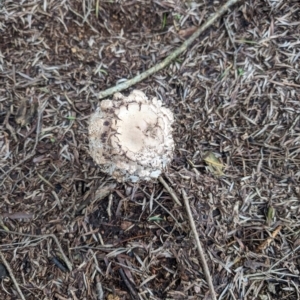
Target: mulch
(235,97)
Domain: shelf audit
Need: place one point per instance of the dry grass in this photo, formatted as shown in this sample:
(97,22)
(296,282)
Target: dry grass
(234,92)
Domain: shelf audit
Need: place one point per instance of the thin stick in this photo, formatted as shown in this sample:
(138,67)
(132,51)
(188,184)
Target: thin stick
(170,190)
(66,260)
(30,155)
(100,293)
(12,276)
(128,284)
(283,258)
(266,243)
(199,247)
(124,85)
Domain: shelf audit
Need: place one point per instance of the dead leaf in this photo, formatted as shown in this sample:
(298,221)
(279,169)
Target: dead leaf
(291,267)
(125,225)
(214,164)
(184,33)
(21,113)
(24,115)
(253,265)
(266,243)
(18,215)
(112,297)
(32,111)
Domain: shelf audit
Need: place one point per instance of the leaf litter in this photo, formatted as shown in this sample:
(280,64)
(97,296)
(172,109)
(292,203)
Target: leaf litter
(234,92)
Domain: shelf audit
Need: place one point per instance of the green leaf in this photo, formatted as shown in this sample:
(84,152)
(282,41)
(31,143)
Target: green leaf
(164,21)
(270,215)
(103,71)
(241,71)
(177,17)
(156,218)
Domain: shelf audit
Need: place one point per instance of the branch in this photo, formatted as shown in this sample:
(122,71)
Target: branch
(12,276)
(33,151)
(169,190)
(124,85)
(199,247)
(44,236)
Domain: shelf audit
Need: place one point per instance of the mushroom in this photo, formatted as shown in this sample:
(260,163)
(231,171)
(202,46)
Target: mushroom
(130,138)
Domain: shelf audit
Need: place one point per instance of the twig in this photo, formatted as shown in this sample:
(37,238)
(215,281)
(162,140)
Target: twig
(124,85)
(283,258)
(16,165)
(199,247)
(30,155)
(128,284)
(170,190)
(266,243)
(66,260)
(12,276)
(100,293)
(165,209)
(9,127)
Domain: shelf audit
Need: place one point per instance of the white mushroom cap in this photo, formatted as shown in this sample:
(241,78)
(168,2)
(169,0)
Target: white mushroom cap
(131,137)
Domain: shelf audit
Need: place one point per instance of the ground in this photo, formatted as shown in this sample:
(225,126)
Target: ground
(235,97)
